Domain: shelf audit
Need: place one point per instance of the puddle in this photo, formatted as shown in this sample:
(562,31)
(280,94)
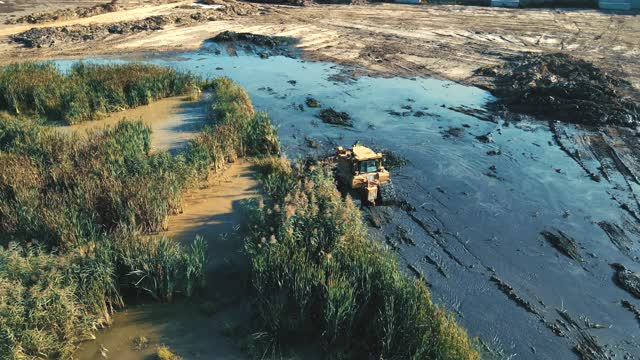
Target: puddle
(181,327)
(174,121)
(485,213)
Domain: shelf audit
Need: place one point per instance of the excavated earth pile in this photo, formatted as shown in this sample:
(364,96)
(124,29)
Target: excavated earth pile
(564,88)
(51,36)
(64,14)
(256,39)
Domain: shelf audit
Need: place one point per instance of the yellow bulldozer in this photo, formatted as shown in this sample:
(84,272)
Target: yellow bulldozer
(360,171)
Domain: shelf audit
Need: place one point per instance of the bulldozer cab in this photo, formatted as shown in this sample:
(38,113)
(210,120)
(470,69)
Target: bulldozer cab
(361,169)
(368,166)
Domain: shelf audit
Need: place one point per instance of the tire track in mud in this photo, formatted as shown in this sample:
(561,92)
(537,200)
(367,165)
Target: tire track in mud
(599,147)
(574,332)
(558,135)
(619,238)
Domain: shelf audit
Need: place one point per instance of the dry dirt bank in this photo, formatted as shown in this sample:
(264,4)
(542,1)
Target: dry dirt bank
(444,41)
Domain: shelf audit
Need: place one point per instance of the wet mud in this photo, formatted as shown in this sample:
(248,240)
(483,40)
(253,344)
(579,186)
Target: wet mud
(564,88)
(627,279)
(563,243)
(262,45)
(634,309)
(475,239)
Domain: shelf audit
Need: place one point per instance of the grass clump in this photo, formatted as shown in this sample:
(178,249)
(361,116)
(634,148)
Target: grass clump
(87,91)
(236,130)
(317,275)
(164,353)
(161,267)
(313,103)
(140,342)
(71,188)
(49,301)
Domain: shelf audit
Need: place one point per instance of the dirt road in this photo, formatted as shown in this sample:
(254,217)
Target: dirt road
(444,41)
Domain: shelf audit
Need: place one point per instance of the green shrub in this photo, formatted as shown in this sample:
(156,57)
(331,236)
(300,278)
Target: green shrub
(160,266)
(235,131)
(317,275)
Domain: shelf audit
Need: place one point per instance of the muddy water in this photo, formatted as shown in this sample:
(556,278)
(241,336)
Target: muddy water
(173,121)
(215,212)
(478,216)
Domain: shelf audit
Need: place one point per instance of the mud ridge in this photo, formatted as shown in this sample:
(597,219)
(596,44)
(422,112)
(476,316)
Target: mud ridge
(333,117)
(588,348)
(437,264)
(479,114)
(434,236)
(617,236)
(627,279)
(628,305)
(256,39)
(563,243)
(511,294)
(419,274)
(557,138)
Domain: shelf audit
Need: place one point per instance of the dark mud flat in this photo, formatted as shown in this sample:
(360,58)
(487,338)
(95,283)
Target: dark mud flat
(476,239)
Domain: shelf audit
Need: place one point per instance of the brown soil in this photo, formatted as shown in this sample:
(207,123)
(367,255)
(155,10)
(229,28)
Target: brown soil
(445,41)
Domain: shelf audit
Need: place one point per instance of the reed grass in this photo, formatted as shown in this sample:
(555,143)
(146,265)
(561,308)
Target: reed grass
(49,301)
(87,91)
(89,203)
(318,277)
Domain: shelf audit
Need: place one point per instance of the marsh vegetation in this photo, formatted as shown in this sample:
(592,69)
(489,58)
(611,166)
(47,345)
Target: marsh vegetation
(317,274)
(86,91)
(80,214)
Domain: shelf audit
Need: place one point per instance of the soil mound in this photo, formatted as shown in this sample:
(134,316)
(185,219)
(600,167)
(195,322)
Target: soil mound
(565,88)
(256,39)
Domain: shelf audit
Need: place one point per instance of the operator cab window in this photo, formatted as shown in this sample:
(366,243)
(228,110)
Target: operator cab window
(368,166)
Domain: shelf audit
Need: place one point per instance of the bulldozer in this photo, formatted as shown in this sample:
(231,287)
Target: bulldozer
(360,171)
